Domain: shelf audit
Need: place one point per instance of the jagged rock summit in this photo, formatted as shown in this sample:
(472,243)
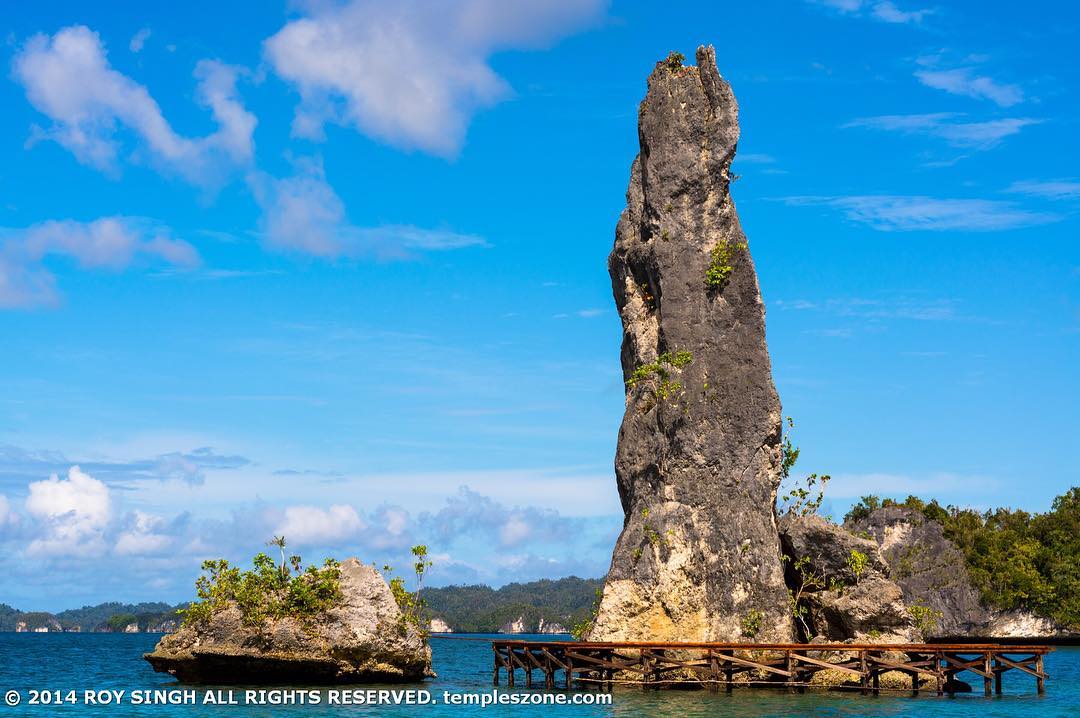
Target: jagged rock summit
(698,458)
(363,639)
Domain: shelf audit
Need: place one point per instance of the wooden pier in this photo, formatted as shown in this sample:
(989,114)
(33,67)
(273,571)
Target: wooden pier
(929,666)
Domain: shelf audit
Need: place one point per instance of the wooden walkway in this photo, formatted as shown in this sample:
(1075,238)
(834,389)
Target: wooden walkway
(930,666)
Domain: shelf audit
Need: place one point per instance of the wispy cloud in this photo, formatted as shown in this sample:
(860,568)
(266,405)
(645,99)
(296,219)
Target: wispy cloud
(889,12)
(111,243)
(303,213)
(188,466)
(68,78)
(946,125)
(967,82)
(348,61)
(897,213)
(138,40)
(1061,189)
(936,310)
(755,158)
(880,10)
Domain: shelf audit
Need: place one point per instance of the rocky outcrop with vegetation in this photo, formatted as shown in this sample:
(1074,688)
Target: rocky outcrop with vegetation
(1000,573)
(840,585)
(331,624)
(699,450)
(929,568)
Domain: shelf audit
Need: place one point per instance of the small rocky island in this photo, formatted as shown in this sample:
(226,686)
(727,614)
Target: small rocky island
(351,631)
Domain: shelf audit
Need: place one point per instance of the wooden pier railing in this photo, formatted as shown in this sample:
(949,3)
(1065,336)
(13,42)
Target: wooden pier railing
(785,665)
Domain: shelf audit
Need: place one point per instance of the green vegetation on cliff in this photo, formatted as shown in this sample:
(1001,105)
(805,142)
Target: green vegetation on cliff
(1016,559)
(269,590)
(482,609)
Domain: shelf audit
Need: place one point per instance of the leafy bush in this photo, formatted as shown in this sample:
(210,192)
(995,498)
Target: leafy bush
(856,563)
(675,60)
(720,267)
(802,499)
(267,591)
(808,580)
(581,628)
(926,619)
(412,604)
(751,623)
(657,377)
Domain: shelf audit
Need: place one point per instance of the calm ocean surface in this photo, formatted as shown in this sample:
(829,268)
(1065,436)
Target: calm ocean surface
(98,661)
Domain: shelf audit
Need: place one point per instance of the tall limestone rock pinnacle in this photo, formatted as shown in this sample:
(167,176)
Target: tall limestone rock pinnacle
(698,460)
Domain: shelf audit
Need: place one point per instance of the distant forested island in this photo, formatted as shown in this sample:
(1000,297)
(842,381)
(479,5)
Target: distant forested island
(1015,559)
(544,606)
(537,606)
(111,617)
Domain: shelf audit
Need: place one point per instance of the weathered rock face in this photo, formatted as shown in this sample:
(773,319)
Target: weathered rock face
(364,639)
(928,567)
(699,449)
(840,604)
(932,572)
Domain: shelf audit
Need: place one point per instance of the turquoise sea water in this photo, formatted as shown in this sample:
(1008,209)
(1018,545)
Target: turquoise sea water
(102,662)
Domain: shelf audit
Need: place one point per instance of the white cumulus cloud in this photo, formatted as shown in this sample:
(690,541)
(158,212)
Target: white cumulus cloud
(6,515)
(306,525)
(68,78)
(73,513)
(411,73)
(145,535)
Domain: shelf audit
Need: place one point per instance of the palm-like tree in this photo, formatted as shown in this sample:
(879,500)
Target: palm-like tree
(279,541)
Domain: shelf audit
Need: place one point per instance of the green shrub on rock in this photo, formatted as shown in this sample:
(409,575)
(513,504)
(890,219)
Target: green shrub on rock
(267,591)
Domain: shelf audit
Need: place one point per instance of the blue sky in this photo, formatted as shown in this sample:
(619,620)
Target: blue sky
(339,270)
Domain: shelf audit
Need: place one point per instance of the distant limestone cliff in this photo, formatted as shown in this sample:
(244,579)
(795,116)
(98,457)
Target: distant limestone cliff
(698,458)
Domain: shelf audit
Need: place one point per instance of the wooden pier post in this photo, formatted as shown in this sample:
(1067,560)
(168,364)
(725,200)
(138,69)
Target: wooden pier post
(1040,682)
(862,671)
(495,673)
(989,671)
(997,676)
(939,677)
